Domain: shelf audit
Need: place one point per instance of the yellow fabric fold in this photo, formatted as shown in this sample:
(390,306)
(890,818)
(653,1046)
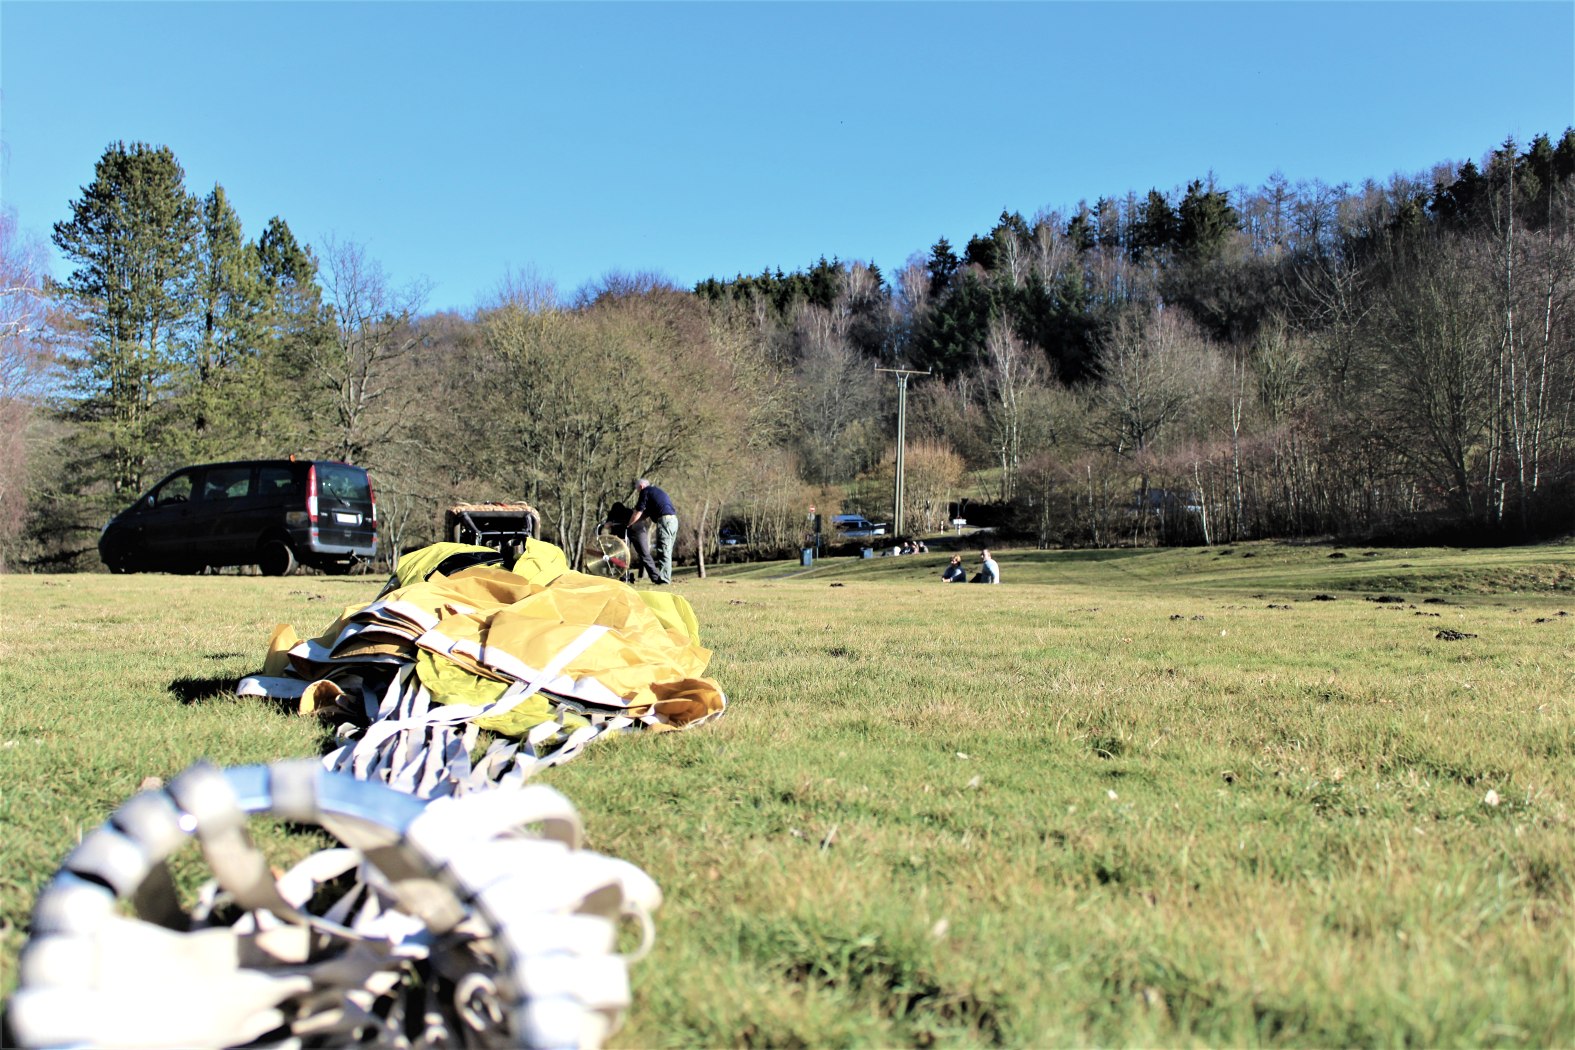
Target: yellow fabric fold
(283,639)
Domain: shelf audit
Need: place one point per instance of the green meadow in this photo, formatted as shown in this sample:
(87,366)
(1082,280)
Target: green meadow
(1269,795)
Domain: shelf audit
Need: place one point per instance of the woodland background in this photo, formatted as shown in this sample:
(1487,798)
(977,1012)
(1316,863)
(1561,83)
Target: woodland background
(1389,361)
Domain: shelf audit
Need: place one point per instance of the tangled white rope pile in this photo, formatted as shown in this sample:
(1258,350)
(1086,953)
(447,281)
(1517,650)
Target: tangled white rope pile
(463,921)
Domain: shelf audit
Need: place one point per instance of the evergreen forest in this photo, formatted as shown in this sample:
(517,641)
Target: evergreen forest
(1390,362)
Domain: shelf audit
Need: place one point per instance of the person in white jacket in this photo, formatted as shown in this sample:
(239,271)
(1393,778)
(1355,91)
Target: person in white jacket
(989,572)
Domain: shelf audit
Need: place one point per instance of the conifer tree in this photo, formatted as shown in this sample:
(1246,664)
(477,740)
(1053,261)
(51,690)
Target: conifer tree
(943,266)
(130,236)
(1203,222)
(226,333)
(297,327)
(1154,234)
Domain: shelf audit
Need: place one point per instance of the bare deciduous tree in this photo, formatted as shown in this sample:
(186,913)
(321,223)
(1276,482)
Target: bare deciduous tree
(1534,353)
(25,369)
(374,331)
(913,287)
(526,288)
(1435,347)
(838,397)
(1010,371)
(586,401)
(1149,366)
(932,475)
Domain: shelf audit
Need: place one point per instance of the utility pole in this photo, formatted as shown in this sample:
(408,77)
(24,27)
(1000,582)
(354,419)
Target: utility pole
(902,375)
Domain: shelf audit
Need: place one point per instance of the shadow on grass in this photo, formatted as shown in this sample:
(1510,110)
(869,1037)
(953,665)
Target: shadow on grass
(201,690)
(193,691)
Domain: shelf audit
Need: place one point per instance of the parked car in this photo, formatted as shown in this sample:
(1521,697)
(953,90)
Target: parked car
(272,513)
(855,525)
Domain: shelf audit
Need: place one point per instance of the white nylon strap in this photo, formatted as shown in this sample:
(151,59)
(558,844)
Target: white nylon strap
(554,667)
(418,747)
(490,889)
(446,825)
(238,866)
(133,984)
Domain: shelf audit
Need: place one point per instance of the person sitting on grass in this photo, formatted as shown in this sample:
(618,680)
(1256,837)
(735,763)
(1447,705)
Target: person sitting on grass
(955,573)
(989,572)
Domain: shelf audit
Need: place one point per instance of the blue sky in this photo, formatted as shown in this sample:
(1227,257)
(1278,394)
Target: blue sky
(458,141)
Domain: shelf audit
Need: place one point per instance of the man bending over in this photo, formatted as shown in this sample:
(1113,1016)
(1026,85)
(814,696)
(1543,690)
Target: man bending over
(651,504)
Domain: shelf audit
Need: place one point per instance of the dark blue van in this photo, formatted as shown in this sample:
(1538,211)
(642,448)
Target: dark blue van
(272,513)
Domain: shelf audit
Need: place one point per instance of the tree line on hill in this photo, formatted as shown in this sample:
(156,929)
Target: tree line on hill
(1393,360)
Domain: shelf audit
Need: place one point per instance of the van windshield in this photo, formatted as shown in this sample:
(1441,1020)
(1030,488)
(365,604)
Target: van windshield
(337,481)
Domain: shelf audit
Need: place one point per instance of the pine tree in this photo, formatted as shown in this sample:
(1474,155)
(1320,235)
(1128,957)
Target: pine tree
(1081,230)
(951,336)
(1204,221)
(130,236)
(288,272)
(943,266)
(229,322)
(296,328)
(1154,233)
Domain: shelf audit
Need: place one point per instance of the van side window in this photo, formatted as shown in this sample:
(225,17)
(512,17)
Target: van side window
(274,481)
(175,490)
(227,483)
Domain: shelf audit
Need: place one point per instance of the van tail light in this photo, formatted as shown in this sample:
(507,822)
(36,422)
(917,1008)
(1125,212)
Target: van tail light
(371,494)
(311,494)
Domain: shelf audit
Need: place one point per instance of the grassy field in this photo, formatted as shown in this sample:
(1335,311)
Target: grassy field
(1271,795)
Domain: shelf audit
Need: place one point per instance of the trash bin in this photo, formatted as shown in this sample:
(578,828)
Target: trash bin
(807,556)
(867,552)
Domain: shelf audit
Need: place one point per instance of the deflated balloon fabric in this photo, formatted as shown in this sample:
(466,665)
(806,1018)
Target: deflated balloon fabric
(512,648)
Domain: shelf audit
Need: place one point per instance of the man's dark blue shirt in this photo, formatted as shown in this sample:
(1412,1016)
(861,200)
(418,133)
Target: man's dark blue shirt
(653,503)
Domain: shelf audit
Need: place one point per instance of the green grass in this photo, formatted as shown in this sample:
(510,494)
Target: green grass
(1168,797)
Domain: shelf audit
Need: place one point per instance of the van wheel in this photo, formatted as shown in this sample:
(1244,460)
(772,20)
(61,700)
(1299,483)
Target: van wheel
(275,558)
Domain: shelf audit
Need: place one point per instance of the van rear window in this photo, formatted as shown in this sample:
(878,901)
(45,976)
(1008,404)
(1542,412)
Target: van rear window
(341,482)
